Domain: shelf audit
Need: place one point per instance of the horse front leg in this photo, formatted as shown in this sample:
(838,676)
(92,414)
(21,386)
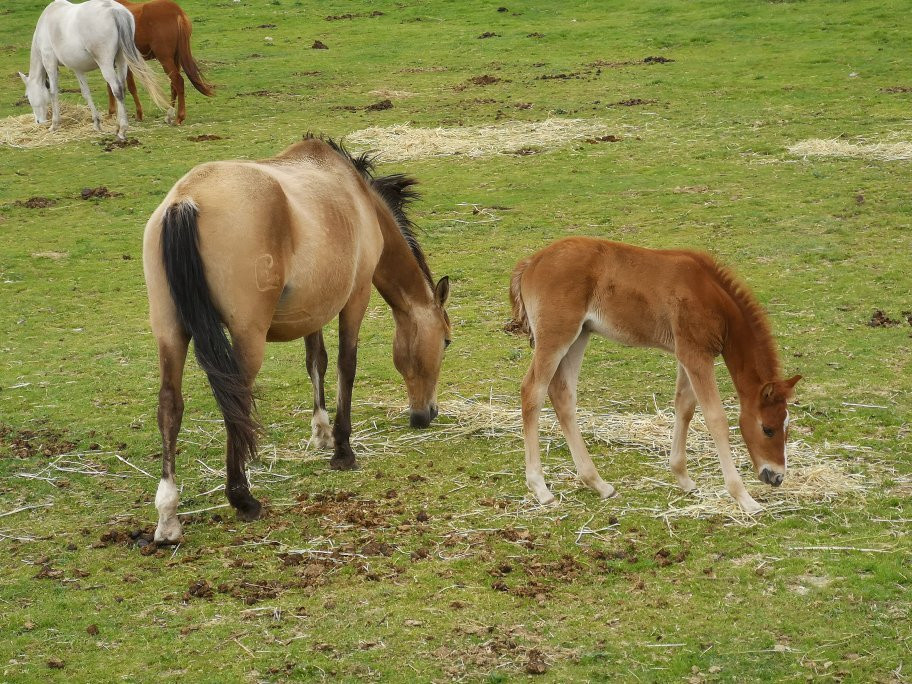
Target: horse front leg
(685,403)
(54,87)
(172,354)
(703,381)
(87,96)
(321,432)
(349,324)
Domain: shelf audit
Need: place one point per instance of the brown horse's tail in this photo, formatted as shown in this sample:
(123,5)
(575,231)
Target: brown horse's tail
(188,64)
(126,27)
(216,356)
(520,323)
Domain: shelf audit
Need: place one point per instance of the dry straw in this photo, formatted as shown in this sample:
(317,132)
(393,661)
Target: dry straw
(23,132)
(817,147)
(813,477)
(401,142)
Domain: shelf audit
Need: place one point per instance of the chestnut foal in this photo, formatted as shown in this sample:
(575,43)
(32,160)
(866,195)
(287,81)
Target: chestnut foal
(677,300)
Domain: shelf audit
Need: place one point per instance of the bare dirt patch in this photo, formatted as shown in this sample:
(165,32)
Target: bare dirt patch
(112,144)
(633,102)
(101,192)
(897,89)
(358,15)
(319,45)
(45,442)
(36,203)
(379,106)
(203,138)
(603,138)
(881,320)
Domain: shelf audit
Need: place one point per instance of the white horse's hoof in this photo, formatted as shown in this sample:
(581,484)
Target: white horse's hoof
(168,532)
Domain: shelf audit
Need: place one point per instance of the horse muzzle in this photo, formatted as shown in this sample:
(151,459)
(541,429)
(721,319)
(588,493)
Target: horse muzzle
(422,419)
(771,477)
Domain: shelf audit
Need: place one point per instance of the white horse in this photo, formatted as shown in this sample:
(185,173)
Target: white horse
(97,34)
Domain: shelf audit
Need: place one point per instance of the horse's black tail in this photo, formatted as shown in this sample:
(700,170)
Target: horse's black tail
(214,351)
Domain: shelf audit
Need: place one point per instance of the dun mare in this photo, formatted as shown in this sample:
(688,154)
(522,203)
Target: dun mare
(677,300)
(163,32)
(97,34)
(272,250)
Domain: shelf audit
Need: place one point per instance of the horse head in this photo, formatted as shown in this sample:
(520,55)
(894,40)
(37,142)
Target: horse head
(38,93)
(418,346)
(764,426)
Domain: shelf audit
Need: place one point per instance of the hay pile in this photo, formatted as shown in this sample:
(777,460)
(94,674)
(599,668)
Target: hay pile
(812,477)
(22,131)
(816,147)
(401,142)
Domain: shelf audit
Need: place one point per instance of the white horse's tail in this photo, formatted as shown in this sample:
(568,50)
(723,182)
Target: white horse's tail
(126,27)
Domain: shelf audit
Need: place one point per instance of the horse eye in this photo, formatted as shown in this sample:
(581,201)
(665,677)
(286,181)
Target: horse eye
(768,431)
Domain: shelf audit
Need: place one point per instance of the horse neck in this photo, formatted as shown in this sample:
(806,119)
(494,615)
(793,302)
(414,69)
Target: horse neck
(36,64)
(398,277)
(749,354)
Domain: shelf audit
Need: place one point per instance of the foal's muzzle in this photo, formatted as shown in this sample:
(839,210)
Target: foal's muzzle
(422,419)
(771,477)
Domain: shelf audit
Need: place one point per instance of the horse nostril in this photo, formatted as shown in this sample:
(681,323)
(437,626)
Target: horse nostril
(776,479)
(420,419)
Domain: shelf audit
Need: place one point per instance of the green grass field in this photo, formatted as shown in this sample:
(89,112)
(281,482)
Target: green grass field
(430,563)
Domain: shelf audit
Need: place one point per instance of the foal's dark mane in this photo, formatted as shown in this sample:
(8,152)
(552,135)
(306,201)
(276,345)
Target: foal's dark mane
(754,314)
(397,192)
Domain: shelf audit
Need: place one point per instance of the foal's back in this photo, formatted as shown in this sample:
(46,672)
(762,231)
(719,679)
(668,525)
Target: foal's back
(635,295)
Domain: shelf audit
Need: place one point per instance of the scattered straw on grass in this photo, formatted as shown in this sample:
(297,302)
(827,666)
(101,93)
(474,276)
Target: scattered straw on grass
(817,147)
(813,477)
(22,131)
(401,142)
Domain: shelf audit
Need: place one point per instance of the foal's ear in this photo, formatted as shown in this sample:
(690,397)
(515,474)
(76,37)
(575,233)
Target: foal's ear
(789,384)
(442,291)
(24,77)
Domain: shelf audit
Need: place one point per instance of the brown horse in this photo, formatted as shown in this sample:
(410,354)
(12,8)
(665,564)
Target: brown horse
(677,300)
(272,250)
(163,32)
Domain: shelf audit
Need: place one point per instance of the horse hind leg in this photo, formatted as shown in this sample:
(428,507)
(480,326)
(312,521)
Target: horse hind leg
(321,431)
(562,392)
(249,349)
(87,95)
(172,354)
(116,77)
(170,65)
(685,404)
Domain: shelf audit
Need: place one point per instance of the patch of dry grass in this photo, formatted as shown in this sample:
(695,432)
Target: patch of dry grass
(883,151)
(401,141)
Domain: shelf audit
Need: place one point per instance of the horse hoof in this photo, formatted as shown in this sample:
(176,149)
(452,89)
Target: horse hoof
(343,463)
(169,532)
(250,510)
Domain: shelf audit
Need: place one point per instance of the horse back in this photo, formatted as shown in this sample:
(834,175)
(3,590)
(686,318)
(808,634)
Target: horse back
(634,295)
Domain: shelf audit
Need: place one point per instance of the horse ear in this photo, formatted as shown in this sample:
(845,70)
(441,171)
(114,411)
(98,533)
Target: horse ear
(24,78)
(790,384)
(442,291)
(768,393)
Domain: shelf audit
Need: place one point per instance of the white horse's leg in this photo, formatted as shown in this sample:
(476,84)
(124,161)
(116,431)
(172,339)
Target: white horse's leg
(53,85)
(562,392)
(116,76)
(703,381)
(87,94)
(685,403)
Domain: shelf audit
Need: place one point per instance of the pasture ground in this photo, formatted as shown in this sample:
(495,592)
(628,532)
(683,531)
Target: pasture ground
(430,562)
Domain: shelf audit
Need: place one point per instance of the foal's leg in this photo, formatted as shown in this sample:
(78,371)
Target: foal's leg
(349,323)
(562,392)
(685,403)
(703,381)
(321,431)
(172,353)
(549,351)
(87,94)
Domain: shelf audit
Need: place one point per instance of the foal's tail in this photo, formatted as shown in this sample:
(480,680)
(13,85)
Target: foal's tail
(214,352)
(188,64)
(126,27)
(520,323)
